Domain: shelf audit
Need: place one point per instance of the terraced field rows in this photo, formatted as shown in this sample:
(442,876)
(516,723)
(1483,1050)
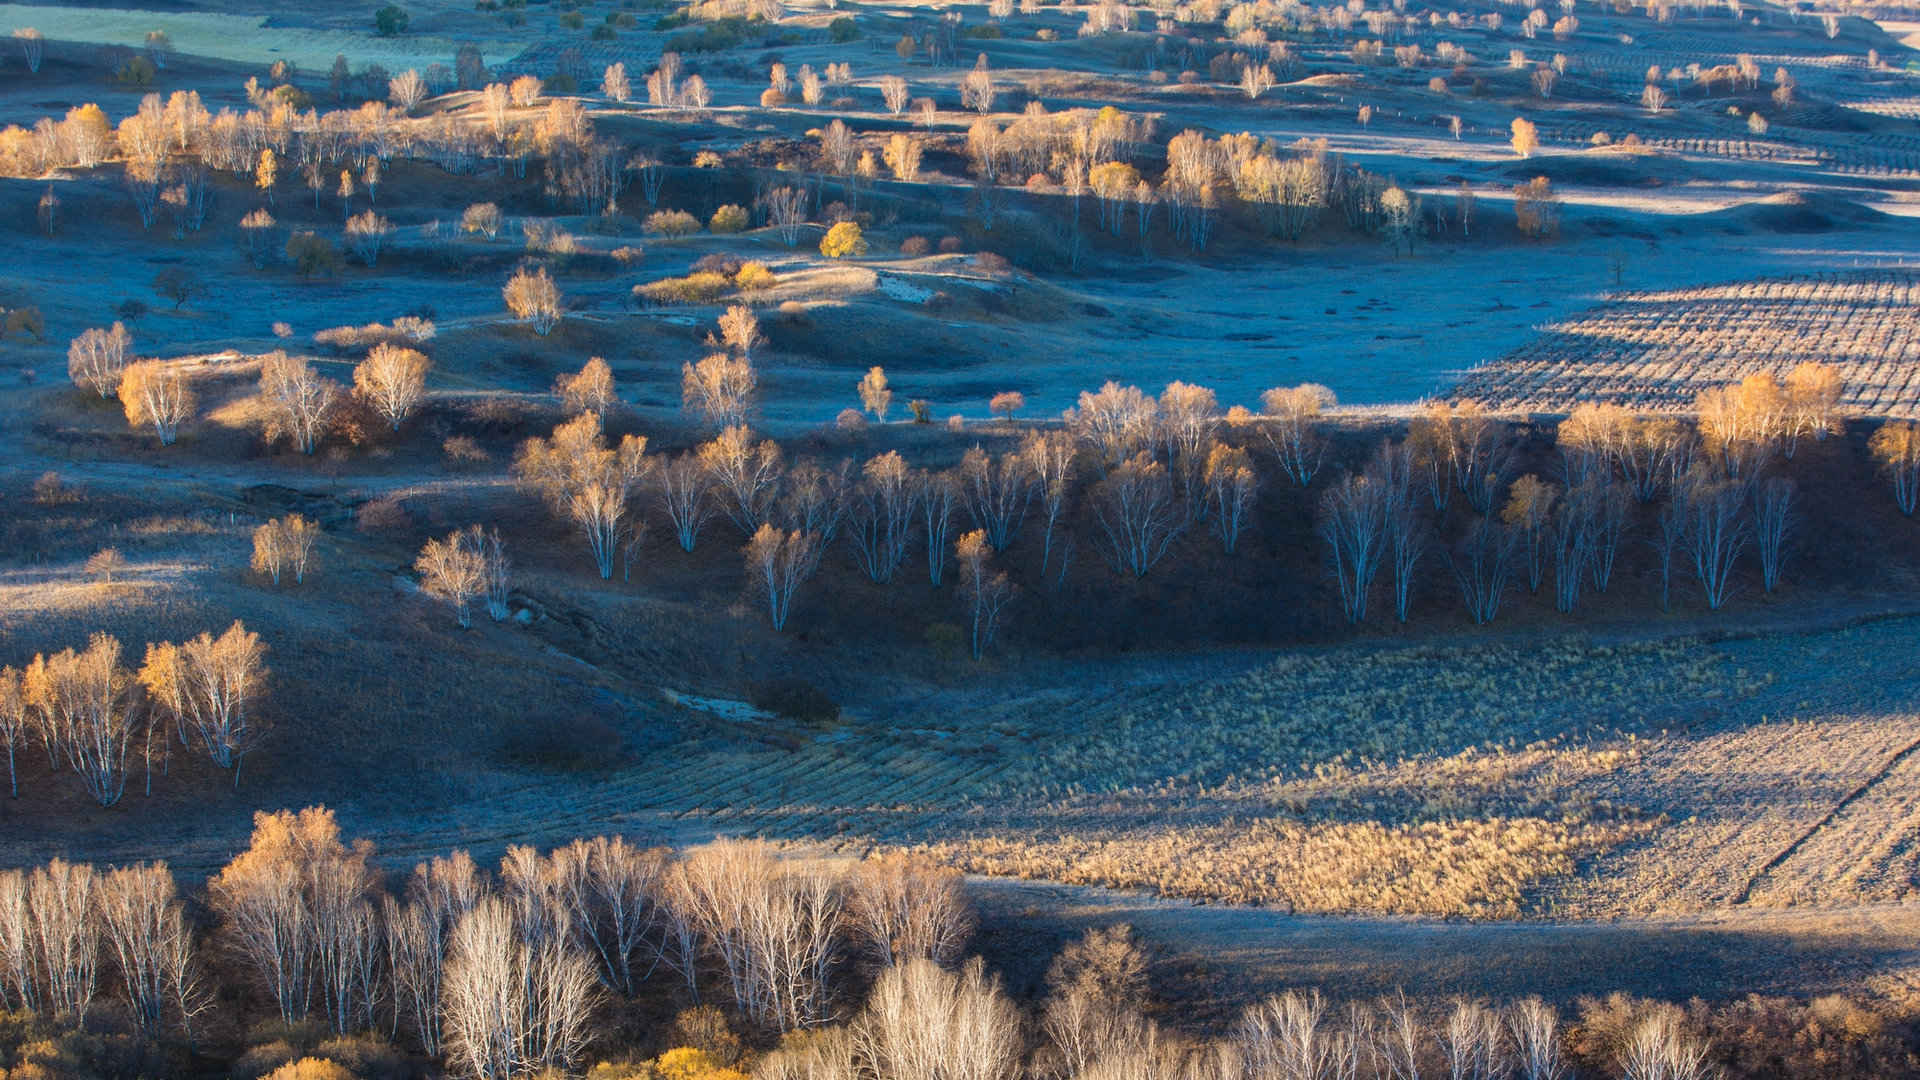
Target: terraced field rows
(1657,350)
(1868,849)
(822,789)
(1734,800)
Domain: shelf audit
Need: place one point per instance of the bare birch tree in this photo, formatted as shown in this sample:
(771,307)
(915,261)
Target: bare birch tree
(207,684)
(1717,530)
(1773,521)
(1481,564)
(97,358)
(1232,486)
(1895,446)
(1185,420)
(284,545)
(1352,522)
(1529,512)
(780,562)
(65,936)
(1406,532)
(935,493)
(1293,428)
(903,907)
(418,934)
(295,912)
(454,570)
(15,726)
(923,1022)
(156,395)
(588,390)
(392,379)
(86,713)
(20,983)
(683,488)
(748,472)
(719,389)
(1138,514)
(302,402)
(987,591)
(879,520)
(613,890)
(587,481)
(1533,1031)
(996,494)
(1117,421)
(1049,457)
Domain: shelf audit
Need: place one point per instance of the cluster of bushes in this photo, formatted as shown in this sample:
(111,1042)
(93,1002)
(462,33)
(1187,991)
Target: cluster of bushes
(712,277)
(406,331)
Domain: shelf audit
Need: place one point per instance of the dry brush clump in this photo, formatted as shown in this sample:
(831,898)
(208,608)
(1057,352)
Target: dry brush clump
(1476,834)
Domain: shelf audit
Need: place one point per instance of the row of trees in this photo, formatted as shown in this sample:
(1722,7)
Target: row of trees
(923,1022)
(502,974)
(1151,468)
(1374,518)
(1160,466)
(87,709)
(169,147)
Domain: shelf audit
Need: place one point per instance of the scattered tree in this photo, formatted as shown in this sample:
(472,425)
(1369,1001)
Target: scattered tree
(588,482)
(1232,486)
(284,545)
(533,298)
(719,389)
(393,380)
(779,562)
(98,358)
(303,402)
(1138,514)
(844,239)
(987,590)
(1353,524)
(157,395)
(1896,446)
(86,713)
(1526,138)
(588,390)
(482,218)
(367,232)
(747,471)
(1773,520)
(455,570)
(875,395)
(1292,428)
(208,684)
(740,330)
